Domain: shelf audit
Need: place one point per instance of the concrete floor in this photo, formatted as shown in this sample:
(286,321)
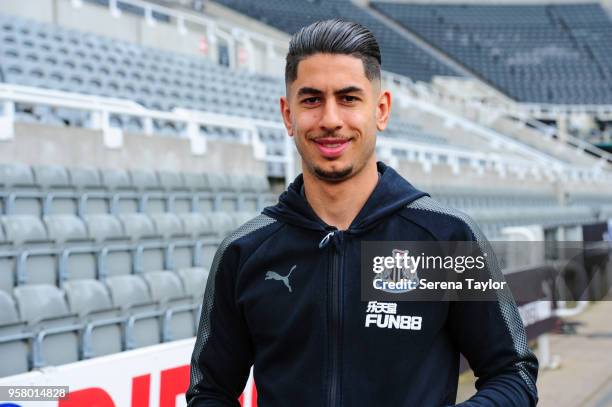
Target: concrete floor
(583,377)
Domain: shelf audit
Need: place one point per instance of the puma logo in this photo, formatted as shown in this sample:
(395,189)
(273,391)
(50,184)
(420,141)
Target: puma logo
(273,275)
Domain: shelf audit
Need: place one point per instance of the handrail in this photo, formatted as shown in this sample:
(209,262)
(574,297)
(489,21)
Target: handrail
(182,17)
(102,108)
(524,113)
(575,141)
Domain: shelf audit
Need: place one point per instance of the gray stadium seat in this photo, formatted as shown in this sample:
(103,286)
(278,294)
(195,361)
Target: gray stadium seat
(114,245)
(125,198)
(93,197)
(221,223)
(63,228)
(77,258)
(104,228)
(37,258)
(218,184)
(257,184)
(229,187)
(196,225)
(200,229)
(153,199)
(167,289)
(57,331)
(116,179)
(138,226)
(102,322)
(194,283)
(194,280)
(54,181)
(7,264)
(180,247)
(196,181)
(180,198)
(171,181)
(20,194)
(150,251)
(143,325)
(14,338)
(168,225)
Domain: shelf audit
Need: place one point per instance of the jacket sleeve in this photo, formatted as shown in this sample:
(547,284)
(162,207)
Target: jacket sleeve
(222,356)
(491,335)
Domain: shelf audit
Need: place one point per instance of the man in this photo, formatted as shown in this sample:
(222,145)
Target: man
(284,289)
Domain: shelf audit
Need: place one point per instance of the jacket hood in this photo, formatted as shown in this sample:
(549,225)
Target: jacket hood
(391,193)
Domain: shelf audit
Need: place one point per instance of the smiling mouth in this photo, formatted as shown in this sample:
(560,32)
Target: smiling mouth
(331,147)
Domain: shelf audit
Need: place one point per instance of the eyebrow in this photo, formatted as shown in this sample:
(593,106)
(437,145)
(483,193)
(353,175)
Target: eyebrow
(313,91)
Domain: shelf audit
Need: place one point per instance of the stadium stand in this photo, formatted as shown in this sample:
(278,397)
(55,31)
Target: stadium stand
(553,53)
(45,325)
(153,78)
(400,55)
(37,54)
(119,257)
(33,191)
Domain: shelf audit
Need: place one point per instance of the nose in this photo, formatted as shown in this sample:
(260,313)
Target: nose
(331,119)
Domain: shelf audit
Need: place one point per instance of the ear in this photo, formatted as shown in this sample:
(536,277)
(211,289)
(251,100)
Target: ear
(383,109)
(286,114)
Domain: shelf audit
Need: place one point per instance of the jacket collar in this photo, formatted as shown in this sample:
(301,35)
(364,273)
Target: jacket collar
(391,193)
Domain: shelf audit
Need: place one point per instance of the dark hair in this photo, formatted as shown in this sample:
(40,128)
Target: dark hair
(334,37)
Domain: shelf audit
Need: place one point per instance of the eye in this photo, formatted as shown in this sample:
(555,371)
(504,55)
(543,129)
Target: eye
(311,100)
(350,99)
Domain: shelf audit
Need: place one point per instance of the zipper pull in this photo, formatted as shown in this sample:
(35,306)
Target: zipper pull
(326,239)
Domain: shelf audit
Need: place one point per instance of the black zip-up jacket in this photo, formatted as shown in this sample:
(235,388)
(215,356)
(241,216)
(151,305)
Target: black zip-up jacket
(283,295)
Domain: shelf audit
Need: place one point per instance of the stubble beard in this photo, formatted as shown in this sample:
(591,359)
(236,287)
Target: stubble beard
(334,176)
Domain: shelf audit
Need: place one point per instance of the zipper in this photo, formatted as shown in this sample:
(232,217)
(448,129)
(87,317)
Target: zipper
(336,311)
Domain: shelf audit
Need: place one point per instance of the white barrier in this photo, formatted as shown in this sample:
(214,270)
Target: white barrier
(155,376)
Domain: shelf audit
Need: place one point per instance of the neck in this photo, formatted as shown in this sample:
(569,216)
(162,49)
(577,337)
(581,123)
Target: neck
(338,203)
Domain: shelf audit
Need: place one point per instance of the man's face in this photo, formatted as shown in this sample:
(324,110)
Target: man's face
(333,112)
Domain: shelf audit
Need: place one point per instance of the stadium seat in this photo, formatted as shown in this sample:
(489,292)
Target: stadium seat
(115,247)
(200,229)
(93,197)
(125,198)
(150,251)
(180,198)
(56,339)
(15,338)
(143,316)
(102,323)
(167,289)
(54,181)
(153,199)
(194,282)
(20,194)
(221,223)
(180,247)
(36,257)
(77,257)
(7,264)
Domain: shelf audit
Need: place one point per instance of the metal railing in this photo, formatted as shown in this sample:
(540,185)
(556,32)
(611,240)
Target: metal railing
(101,109)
